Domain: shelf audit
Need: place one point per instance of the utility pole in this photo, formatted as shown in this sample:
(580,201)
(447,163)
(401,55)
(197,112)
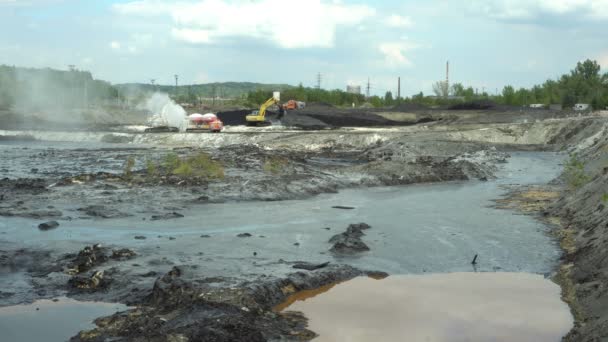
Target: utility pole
(398,88)
(367,88)
(447,78)
(86,95)
(319,77)
(176,78)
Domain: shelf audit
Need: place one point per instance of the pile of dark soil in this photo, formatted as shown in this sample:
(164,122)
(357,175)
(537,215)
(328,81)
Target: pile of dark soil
(473,105)
(234,117)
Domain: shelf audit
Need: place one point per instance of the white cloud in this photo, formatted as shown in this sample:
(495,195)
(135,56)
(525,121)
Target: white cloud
(114,45)
(395,53)
(533,9)
(399,21)
(194,36)
(288,24)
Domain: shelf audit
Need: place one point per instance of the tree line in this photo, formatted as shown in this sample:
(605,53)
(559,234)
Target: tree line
(40,89)
(583,84)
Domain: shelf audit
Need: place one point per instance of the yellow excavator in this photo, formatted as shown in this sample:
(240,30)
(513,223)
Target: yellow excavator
(258,117)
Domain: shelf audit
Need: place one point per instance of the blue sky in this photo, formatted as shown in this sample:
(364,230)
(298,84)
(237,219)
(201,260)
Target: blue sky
(489,43)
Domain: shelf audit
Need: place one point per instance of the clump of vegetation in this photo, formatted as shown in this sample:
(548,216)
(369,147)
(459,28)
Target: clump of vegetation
(171,161)
(574,173)
(275,164)
(128,168)
(200,165)
(605,198)
(150,168)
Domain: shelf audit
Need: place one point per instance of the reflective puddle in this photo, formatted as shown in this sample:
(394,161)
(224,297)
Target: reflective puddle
(48,320)
(436,308)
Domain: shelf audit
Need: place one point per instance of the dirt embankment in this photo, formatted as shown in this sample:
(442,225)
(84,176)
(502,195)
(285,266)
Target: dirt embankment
(583,211)
(576,204)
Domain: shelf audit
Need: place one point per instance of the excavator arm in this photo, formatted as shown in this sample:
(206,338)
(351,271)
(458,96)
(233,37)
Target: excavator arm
(271,101)
(259,117)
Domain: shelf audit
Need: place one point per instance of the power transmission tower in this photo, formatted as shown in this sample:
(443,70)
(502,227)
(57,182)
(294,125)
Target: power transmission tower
(367,88)
(319,77)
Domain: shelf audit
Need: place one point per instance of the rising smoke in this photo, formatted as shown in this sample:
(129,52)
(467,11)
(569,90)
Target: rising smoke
(165,112)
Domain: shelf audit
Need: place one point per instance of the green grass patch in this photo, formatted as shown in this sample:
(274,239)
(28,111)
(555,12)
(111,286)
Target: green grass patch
(200,165)
(275,164)
(128,168)
(574,173)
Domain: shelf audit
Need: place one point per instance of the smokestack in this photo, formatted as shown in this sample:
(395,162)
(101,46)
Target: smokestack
(398,87)
(447,77)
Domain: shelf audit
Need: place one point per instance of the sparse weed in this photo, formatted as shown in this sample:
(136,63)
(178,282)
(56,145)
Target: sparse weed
(183,170)
(171,162)
(128,168)
(150,168)
(574,173)
(275,165)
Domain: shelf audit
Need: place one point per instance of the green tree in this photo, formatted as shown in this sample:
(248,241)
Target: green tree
(388,98)
(508,95)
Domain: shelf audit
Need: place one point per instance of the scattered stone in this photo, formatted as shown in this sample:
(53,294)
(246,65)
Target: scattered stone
(87,258)
(296,244)
(48,225)
(102,212)
(149,274)
(343,207)
(205,236)
(350,242)
(167,216)
(243,235)
(309,266)
(140,237)
(123,254)
(92,282)
(171,238)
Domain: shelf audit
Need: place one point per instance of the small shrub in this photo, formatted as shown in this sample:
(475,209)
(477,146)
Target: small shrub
(128,168)
(200,165)
(605,198)
(275,165)
(574,173)
(184,170)
(150,168)
(171,162)
(203,166)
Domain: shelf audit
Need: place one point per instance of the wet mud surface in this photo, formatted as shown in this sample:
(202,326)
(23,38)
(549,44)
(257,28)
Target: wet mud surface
(225,251)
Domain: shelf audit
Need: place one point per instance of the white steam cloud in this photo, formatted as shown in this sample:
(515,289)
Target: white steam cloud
(165,112)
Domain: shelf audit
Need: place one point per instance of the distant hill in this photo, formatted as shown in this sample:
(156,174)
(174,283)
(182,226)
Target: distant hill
(221,89)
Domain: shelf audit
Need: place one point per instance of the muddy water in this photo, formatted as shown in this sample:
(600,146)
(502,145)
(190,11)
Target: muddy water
(439,308)
(48,320)
(415,229)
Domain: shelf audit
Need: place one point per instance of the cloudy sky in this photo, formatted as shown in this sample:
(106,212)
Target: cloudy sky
(489,43)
